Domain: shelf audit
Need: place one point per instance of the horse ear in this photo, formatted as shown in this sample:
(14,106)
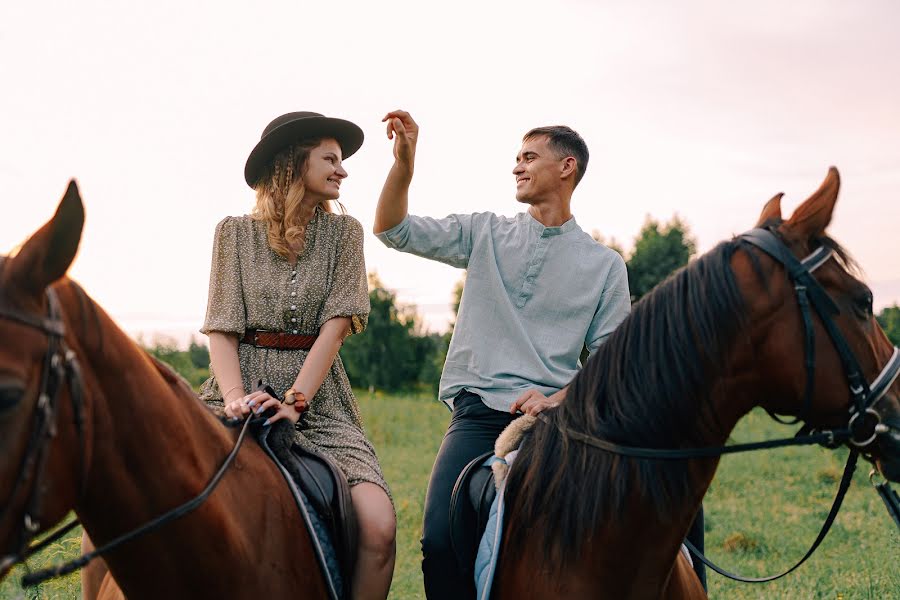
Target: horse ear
(813,216)
(47,255)
(771,211)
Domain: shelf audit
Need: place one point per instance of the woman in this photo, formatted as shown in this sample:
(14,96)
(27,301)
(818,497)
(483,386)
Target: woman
(295,267)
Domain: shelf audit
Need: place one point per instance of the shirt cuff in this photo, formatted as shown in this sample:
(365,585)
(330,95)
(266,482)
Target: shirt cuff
(397,236)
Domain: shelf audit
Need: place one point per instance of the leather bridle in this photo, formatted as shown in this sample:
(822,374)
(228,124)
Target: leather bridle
(864,423)
(60,365)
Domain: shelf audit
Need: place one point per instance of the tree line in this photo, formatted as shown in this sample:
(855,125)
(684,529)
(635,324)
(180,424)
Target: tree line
(395,352)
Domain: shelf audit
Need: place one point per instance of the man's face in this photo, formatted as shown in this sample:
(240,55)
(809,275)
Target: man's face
(537,171)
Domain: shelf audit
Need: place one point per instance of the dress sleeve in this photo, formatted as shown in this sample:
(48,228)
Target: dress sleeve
(225,311)
(349,293)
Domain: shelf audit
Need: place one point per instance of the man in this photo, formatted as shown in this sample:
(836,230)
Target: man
(538,290)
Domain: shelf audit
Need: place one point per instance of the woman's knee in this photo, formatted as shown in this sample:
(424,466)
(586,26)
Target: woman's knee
(375,516)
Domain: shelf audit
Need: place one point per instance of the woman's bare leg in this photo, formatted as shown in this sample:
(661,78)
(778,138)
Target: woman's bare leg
(377,542)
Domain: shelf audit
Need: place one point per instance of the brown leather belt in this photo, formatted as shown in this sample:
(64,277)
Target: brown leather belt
(278,340)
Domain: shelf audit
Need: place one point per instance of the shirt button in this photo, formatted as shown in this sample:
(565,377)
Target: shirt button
(294,332)
(293,307)
(293,293)
(293,273)
(293,281)
(293,320)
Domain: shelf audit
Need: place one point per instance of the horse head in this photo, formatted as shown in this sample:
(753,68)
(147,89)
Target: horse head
(821,353)
(40,411)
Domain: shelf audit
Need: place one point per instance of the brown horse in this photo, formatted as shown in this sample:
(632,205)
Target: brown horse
(718,338)
(147,444)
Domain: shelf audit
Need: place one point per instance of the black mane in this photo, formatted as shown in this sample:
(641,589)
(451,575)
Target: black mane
(646,386)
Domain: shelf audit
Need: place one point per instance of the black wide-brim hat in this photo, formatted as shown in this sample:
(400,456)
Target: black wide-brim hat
(296,127)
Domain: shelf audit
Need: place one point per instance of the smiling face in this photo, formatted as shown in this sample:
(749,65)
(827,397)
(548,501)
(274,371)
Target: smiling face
(323,173)
(540,172)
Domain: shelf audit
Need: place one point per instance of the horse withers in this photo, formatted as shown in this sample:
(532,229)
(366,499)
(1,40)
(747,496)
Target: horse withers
(90,422)
(733,330)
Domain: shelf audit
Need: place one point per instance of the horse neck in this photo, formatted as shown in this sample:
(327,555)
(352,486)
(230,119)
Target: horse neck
(150,444)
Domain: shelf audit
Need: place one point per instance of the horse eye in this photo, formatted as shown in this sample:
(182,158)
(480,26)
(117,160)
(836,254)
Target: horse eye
(864,304)
(10,396)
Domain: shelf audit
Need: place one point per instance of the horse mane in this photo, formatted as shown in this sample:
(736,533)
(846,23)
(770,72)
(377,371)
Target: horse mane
(646,386)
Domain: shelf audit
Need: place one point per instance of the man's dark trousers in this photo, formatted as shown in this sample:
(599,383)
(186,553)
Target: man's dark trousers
(473,430)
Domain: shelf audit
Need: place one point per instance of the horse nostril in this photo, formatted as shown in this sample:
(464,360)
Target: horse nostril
(10,396)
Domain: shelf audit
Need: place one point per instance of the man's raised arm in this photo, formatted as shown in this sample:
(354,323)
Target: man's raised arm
(394,200)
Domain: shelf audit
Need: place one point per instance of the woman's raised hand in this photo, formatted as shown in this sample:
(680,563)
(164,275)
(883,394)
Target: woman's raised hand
(405,132)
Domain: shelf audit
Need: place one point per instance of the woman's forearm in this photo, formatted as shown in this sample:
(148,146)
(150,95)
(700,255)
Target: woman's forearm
(321,356)
(223,358)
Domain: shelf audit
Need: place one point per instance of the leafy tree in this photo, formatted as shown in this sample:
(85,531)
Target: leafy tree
(889,318)
(659,250)
(387,356)
(190,363)
(199,354)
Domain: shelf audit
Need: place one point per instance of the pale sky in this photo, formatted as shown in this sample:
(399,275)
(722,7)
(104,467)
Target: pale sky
(704,109)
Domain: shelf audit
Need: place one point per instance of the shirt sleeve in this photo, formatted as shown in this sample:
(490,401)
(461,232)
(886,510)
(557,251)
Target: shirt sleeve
(447,240)
(225,311)
(615,304)
(349,293)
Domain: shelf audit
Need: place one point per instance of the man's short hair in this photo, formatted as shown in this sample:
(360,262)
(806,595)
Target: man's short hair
(565,141)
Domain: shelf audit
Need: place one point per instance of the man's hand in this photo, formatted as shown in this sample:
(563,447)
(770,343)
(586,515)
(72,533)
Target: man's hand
(532,402)
(405,132)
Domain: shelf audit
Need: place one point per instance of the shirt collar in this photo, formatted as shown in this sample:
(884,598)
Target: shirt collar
(542,231)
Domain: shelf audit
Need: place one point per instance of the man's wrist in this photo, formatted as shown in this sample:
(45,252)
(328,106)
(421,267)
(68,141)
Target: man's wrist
(404,169)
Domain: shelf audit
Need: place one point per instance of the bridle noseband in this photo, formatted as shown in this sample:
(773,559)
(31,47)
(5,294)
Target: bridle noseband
(864,423)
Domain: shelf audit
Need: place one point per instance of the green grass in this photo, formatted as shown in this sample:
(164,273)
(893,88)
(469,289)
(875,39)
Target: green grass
(763,511)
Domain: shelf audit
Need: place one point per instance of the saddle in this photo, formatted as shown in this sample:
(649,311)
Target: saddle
(470,505)
(323,497)
(475,490)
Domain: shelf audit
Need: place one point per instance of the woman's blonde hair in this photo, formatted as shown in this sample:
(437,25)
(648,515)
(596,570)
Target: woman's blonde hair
(279,199)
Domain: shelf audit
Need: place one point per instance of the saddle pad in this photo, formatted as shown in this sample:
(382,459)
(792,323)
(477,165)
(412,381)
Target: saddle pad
(489,546)
(489,549)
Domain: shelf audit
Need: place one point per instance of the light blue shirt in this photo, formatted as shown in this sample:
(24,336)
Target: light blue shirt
(534,297)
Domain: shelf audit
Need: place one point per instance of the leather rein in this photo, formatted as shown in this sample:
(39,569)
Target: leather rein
(864,423)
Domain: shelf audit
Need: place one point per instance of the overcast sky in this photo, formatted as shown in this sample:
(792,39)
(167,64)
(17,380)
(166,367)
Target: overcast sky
(704,109)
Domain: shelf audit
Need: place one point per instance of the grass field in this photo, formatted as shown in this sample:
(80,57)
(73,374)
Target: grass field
(762,512)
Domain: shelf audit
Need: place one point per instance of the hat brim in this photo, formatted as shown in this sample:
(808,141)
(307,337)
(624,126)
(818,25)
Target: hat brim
(348,135)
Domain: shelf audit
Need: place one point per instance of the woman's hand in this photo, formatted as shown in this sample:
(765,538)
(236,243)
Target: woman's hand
(257,402)
(405,132)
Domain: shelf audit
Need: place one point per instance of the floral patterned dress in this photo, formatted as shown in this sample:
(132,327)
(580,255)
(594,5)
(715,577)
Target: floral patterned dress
(252,287)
